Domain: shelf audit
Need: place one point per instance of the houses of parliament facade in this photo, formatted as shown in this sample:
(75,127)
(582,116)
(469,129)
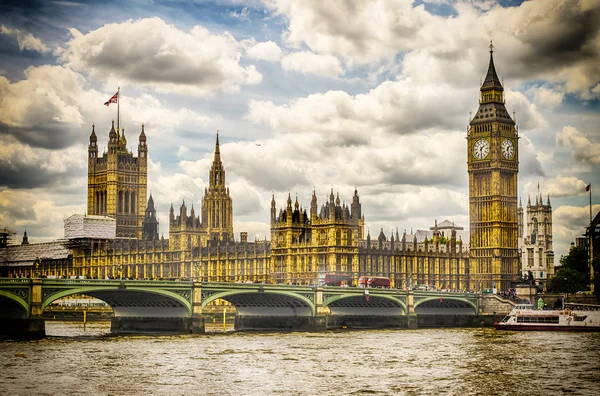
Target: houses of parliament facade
(306,241)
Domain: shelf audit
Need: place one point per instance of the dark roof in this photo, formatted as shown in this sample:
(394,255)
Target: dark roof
(488,112)
(491,79)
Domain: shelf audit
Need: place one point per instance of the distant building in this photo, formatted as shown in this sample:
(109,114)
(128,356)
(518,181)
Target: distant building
(537,255)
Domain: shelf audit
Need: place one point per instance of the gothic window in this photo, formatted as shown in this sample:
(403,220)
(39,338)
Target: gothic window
(216,214)
(349,238)
(126,206)
(535,225)
(132,210)
(338,237)
(120,206)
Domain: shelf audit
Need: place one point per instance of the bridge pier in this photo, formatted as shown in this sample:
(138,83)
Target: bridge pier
(136,325)
(30,328)
(366,321)
(279,323)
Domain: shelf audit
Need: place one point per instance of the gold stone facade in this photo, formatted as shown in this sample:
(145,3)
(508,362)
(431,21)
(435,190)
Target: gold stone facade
(493,164)
(117,182)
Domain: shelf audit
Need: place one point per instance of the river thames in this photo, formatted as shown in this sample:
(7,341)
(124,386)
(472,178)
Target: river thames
(72,361)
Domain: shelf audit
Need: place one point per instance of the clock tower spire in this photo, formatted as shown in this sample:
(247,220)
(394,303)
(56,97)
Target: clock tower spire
(492,162)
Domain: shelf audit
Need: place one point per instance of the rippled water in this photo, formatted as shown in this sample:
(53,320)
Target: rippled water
(386,362)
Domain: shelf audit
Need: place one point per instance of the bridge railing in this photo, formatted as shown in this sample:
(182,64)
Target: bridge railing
(15,280)
(112,282)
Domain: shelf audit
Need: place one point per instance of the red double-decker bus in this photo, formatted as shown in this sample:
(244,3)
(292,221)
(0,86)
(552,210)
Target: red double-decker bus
(336,280)
(374,281)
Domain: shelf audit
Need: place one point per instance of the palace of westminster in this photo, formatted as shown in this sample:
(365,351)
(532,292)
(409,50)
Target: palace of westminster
(119,235)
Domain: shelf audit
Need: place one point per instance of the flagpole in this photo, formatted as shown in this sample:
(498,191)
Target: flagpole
(590,204)
(118,107)
(591,247)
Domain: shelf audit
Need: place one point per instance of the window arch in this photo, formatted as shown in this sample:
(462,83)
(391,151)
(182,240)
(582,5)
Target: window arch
(120,205)
(132,210)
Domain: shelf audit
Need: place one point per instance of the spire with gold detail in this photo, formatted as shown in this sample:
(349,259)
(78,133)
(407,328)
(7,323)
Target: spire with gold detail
(217,173)
(491,101)
(491,82)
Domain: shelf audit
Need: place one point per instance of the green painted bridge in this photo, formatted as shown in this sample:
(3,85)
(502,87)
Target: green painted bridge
(177,306)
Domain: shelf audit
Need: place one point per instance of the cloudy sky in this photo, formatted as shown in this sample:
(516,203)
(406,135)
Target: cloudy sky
(306,94)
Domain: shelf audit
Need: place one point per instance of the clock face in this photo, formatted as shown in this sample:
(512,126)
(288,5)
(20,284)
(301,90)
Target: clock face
(508,150)
(481,149)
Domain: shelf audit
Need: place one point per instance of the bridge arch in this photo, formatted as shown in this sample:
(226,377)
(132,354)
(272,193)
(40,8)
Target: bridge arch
(252,302)
(445,305)
(132,301)
(381,304)
(12,306)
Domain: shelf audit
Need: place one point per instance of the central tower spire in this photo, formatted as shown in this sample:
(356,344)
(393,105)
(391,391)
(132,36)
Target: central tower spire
(217,209)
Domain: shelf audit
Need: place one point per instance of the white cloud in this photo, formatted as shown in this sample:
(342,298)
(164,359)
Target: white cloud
(309,63)
(555,40)
(546,97)
(582,148)
(529,162)
(526,114)
(558,187)
(26,41)
(268,51)
(53,104)
(359,31)
(155,54)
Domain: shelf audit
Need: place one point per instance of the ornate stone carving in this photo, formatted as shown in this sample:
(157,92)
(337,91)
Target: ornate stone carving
(22,293)
(48,292)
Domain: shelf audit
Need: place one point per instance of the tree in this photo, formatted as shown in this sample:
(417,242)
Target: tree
(567,280)
(577,260)
(574,273)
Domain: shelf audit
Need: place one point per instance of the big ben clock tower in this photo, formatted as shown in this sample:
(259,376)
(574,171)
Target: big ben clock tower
(493,164)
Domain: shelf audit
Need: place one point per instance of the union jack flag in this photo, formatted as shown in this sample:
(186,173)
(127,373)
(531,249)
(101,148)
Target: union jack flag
(114,99)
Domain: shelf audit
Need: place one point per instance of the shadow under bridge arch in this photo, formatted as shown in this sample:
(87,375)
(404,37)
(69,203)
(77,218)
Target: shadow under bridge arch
(265,303)
(445,306)
(361,304)
(130,302)
(13,305)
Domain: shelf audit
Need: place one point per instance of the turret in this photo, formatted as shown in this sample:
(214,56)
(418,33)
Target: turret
(289,204)
(93,147)
(142,147)
(273,209)
(313,206)
(113,139)
(331,206)
(356,207)
(436,233)
(150,222)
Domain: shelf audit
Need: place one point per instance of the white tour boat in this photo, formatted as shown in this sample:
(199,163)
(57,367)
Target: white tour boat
(524,317)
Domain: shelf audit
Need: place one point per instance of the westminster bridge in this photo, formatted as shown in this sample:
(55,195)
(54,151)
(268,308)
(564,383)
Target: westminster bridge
(177,306)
